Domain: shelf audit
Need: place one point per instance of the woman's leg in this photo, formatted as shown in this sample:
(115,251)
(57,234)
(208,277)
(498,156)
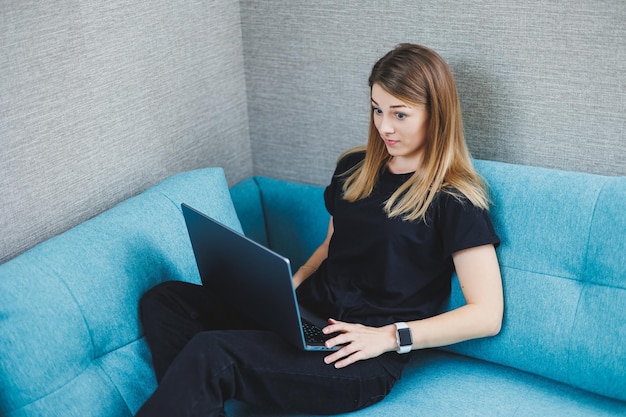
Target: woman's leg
(173,312)
(259,368)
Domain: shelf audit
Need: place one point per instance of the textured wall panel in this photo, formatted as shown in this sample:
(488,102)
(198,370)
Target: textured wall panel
(541,83)
(99,100)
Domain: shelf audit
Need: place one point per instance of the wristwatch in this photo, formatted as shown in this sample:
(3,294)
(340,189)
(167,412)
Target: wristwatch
(404,337)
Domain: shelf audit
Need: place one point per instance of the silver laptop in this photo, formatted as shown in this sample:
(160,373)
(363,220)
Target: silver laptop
(252,278)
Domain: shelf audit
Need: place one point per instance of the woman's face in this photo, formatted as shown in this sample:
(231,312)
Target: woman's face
(403,128)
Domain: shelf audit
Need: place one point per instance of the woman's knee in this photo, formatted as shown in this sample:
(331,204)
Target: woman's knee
(207,352)
(162,297)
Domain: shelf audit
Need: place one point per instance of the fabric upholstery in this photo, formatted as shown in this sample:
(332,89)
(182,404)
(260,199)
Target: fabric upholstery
(547,221)
(69,326)
(296,222)
(443,384)
(247,200)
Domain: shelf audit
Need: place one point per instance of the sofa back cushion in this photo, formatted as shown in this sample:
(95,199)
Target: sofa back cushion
(69,326)
(563,262)
(293,221)
(249,206)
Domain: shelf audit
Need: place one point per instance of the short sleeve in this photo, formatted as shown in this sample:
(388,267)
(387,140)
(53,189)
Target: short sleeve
(463,225)
(335,189)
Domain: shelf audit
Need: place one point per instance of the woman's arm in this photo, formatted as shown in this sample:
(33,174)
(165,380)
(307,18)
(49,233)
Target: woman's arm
(479,275)
(315,260)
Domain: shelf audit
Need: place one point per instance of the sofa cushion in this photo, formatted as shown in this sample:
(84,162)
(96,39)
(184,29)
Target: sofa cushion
(69,326)
(295,219)
(246,197)
(562,259)
(442,384)
(601,311)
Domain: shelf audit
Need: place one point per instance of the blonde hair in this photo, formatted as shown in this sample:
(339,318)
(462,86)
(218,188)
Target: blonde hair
(419,76)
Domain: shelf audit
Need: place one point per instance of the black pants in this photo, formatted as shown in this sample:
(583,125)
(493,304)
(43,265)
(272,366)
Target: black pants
(204,353)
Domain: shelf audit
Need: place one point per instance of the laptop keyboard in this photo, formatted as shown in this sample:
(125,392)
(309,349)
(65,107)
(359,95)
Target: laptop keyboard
(313,334)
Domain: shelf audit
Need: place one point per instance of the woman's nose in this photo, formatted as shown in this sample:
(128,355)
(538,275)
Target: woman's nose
(386,125)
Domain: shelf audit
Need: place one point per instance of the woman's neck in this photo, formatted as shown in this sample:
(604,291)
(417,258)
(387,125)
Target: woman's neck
(397,165)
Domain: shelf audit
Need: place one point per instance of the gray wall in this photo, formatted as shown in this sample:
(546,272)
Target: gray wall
(101,99)
(541,82)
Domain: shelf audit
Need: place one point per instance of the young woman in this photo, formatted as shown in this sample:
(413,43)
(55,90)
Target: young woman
(406,211)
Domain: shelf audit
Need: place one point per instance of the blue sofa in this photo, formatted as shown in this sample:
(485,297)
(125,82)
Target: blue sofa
(71,342)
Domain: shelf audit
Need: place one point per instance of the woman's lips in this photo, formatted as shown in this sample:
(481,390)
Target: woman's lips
(390,142)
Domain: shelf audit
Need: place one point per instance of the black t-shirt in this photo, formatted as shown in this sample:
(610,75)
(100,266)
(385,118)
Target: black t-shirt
(381,270)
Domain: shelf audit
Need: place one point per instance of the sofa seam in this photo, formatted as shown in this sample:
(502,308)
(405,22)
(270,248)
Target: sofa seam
(584,284)
(69,381)
(570,336)
(108,377)
(593,215)
(93,354)
(82,313)
(39,398)
(178,207)
(538,272)
(569,278)
(263,211)
(135,340)
(91,341)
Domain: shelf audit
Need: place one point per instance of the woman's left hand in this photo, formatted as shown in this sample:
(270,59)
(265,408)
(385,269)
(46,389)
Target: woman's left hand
(361,342)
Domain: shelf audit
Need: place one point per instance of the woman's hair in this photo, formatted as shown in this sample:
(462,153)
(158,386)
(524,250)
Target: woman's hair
(419,76)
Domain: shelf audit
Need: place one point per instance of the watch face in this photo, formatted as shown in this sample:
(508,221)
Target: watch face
(405,337)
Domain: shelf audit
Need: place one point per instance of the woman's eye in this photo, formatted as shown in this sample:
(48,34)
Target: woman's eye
(401,115)
(377,111)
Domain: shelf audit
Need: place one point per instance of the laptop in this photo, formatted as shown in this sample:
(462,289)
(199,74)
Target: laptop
(254,279)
